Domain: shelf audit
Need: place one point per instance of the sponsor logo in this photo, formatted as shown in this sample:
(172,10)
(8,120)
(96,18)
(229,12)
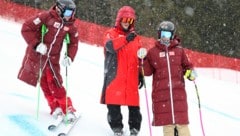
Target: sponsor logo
(65,28)
(37,21)
(171,53)
(56,25)
(162,54)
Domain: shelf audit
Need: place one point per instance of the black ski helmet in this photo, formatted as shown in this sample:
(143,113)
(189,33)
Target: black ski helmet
(166,26)
(65,5)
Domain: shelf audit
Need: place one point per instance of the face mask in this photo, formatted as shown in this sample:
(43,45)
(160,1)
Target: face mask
(165,42)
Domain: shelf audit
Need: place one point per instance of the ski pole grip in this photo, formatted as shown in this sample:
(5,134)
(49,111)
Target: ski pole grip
(141,53)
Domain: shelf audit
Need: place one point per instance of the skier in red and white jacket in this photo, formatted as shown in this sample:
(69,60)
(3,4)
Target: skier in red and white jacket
(167,63)
(42,55)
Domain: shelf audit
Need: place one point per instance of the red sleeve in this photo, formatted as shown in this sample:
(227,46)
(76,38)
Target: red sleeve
(31,29)
(186,64)
(148,69)
(119,42)
(73,45)
(117,39)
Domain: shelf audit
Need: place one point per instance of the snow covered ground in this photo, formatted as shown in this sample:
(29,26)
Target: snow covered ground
(219,98)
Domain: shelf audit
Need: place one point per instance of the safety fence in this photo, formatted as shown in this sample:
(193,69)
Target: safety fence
(92,34)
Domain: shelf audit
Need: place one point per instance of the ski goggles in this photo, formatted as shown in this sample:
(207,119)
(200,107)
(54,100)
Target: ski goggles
(68,12)
(127,20)
(166,34)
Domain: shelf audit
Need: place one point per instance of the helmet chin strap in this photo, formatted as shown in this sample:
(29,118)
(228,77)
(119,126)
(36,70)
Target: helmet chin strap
(59,11)
(65,20)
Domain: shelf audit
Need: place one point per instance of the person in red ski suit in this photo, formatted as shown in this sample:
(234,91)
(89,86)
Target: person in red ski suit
(121,74)
(41,60)
(168,63)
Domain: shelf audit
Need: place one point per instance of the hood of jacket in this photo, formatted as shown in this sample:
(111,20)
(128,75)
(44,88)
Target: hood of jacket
(125,12)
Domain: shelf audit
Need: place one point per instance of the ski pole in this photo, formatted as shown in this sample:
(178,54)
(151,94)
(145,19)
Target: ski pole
(38,94)
(142,52)
(67,40)
(175,131)
(199,107)
(43,32)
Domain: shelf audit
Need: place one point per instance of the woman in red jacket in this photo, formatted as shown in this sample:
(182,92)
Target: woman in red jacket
(44,35)
(168,63)
(121,72)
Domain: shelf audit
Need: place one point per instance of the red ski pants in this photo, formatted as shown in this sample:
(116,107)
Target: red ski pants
(55,94)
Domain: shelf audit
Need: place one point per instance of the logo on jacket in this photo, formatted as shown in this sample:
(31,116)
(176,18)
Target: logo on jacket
(36,21)
(162,54)
(56,25)
(171,53)
(65,28)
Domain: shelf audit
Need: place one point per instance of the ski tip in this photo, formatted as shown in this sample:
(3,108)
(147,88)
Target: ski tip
(51,127)
(62,134)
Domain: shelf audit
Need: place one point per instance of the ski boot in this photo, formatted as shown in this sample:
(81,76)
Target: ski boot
(70,116)
(57,112)
(118,132)
(134,132)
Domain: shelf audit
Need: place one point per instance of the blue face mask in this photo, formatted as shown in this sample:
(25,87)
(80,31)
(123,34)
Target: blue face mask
(166,34)
(68,13)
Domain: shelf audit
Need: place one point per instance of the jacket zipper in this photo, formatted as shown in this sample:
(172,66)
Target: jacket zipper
(170,85)
(48,54)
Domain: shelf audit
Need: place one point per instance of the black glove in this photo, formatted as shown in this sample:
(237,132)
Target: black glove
(131,36)
(140,81)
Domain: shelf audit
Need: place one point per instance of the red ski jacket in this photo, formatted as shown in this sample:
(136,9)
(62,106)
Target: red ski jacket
(53,39)
(167,65)
(121,65)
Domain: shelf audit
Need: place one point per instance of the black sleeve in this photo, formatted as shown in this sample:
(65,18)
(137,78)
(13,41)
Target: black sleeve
(109,47)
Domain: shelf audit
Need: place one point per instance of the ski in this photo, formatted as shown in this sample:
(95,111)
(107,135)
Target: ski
(56,123)
(68,127)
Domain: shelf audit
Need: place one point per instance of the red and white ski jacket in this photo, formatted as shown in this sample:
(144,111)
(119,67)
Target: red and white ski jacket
(53,39)
(168,65)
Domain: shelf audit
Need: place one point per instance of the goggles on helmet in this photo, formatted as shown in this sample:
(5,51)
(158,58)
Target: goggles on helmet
(127,20)
(68,12)
(166,34)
